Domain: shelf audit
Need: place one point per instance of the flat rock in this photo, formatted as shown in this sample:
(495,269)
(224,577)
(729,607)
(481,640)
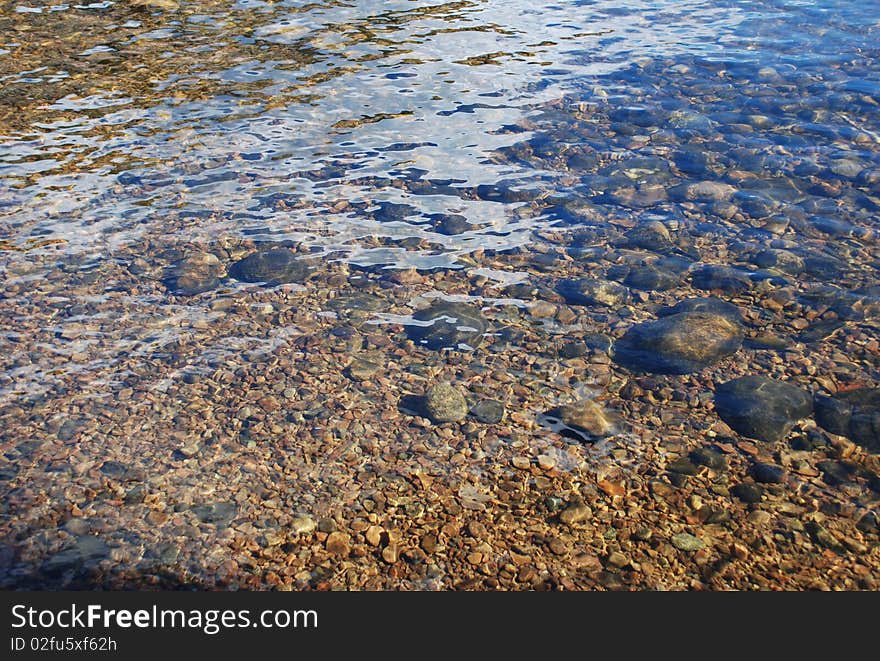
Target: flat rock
(748,493)
(705,304)
(275,266)
(679,343)
(194,274)
(705,191)
(362,369)
(762,408)
(854,414)
(652,235)
(85,549)
(712,277)
(589,418)
(448,326)
(590,291)
(217,513)
(488,411)
(686,542)
(649,277)
(575,512)
(768,473)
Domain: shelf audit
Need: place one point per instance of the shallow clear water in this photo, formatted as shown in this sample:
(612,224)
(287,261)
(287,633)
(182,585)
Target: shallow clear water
(499,149)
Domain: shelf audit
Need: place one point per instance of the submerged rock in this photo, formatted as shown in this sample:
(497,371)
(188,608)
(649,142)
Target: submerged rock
(194,274)
(679,343)
(589,418)
(649,277)
(489,411)
(704,191)
(220,513)
(275,266)
(724,278)
(854,414)
(445,403)
(652,235)
(762,408)
(588,291)
(706,304)
(448,326)
(86,549)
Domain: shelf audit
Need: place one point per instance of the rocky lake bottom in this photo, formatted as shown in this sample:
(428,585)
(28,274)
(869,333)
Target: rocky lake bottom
(642,354)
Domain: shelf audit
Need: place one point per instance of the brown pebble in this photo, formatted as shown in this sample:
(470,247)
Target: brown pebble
(576,512)
(618,559)
(374,535)
(429,543)
(521,463)
(476,529)
(611,488)
(390,553)
(546,462)
(542,310)
(338,544)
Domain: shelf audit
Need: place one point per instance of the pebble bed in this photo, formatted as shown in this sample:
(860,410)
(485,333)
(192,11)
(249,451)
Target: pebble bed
(673,384)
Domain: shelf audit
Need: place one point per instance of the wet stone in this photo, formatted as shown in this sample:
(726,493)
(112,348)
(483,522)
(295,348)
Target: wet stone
(274,266)
(869,523)
(678,344)
(217,513)
(575,512)
(448,326)
(760,407)
(704,191)
(754,205)
(649,277)
(686,542)
(114,469)
(854,414)
(652,235)
(488,411)
(748,493)
(598,342)
(780,260)
(194,274)
(67,431)
(86,549)
(445,403)
(338,543)
(706,304)
(574,349)
(587,291)
(712,277)
(362,369)
(768,473)
(451,224)
(820,330)
(709,458)
(822,536)
(683,466)
(589,418)
(833,472)
(303,524)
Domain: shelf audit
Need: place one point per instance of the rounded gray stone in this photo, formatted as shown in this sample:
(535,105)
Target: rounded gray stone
(445,403)
(273,266)
(762,408)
